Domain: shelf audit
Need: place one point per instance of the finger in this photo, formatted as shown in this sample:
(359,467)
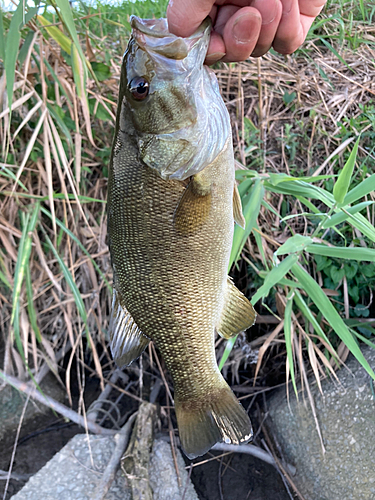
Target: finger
(271,11)
(185,16)
(311,8)
(296,20)
(290,33)
(308,11)
(216,49)
(240,34)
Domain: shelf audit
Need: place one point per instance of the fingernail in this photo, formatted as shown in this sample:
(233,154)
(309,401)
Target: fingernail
(287,7)
(270,14)
(214,57)
(243,28)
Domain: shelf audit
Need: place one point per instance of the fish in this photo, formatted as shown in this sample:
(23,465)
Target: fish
(172,205)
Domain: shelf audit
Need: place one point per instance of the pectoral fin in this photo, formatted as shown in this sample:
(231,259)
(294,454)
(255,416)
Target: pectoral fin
(238,313)
(194,207)
(127,340)
(237,208)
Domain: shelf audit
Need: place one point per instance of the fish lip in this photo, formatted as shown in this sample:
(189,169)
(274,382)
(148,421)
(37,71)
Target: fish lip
(158,28)
(153,36)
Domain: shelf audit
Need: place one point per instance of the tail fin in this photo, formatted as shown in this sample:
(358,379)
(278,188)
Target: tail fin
(215,418)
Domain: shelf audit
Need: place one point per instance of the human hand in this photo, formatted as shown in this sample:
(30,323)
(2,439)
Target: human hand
(244,28)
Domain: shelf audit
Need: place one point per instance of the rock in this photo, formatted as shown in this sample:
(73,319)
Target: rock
(163,477)
(346,415)
(75,472)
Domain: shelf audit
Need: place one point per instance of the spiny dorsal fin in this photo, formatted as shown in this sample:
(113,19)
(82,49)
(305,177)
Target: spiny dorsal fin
(238,313)
(127,340)
(194,206)
(237,208)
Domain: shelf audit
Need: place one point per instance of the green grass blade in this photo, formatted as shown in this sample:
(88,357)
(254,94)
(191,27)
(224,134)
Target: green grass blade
(288,340)
(11,50)
(4,279)
(54,32)
(363,225)
(30,305)
(25,47)
(6,172)
(17,272)
(324,305)
(308,204)
(227,351)
(301,189)
(16,330)
(362,338)
(61,124)
(276,179)
(67,16)
(341,216)
(294,244)
(2,37)
(305,310)
(81,246)
(274,276)
(334,51)
(23,256)
(258,240)
(341,186)
(70,281)
(250,210)
(362,189)
(352,253)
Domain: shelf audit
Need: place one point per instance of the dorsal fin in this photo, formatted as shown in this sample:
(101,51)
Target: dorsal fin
(127,340)
(238,313)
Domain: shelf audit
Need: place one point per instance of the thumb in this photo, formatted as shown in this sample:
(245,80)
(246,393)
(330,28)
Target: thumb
(185,16)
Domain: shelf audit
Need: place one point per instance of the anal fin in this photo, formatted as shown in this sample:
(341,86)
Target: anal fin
(238,313)
(237,208)
(127,340)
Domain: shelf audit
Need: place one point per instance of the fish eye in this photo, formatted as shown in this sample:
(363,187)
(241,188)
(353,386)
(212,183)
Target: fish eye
(139,88)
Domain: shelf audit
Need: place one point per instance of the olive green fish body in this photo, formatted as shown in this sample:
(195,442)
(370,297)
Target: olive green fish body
(170,241)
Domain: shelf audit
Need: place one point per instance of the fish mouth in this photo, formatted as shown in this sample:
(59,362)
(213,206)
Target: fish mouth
(154,35)
(159,27)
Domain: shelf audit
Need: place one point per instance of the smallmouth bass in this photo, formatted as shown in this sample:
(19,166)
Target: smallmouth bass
(172,203)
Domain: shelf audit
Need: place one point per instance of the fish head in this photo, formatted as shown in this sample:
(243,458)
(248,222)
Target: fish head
(179,118)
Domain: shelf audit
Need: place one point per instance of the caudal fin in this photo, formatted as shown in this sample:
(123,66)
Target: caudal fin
(216,418)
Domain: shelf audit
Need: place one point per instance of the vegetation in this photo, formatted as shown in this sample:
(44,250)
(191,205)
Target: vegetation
(304,140)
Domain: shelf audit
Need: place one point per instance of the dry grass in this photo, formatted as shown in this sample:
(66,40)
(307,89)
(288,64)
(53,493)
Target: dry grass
(307,137)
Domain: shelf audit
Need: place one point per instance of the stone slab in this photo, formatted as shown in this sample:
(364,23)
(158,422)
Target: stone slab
(346,415)
(75,472)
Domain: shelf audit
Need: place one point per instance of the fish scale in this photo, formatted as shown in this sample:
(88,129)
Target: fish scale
(170,239)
